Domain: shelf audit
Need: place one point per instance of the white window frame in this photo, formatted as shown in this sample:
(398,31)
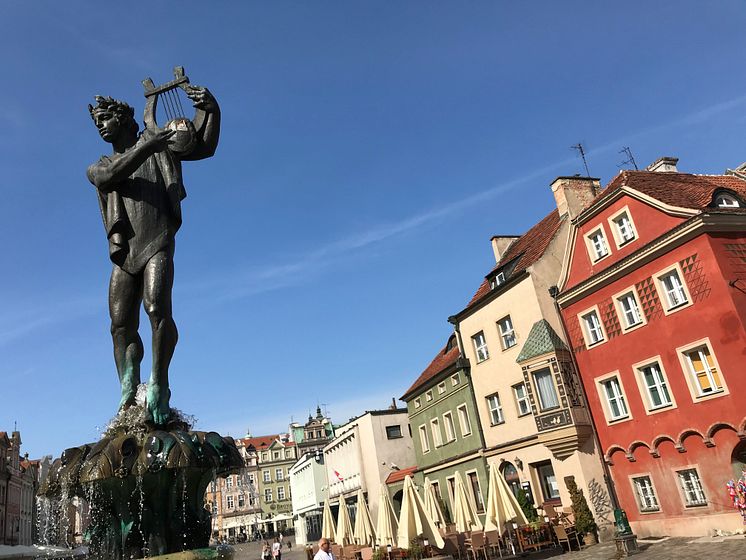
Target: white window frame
(494,406)
(229,481)
(691,489)
(417,403)
(429,395)
(594,247)
(616,232)
(726,200)
(664,291)
(508,338)
(542,405)
(450,426)
(279,474)
(424,442)
(441,388)
(267,476)
(690,375)
(241,501)
(230,502)
(645,493)
(481,352)
(267,495)
(584,327)
(280,493)
(464,420)
(435,430)
(622,312)
(521,400)
(455,380)
(645,390)
(603,396)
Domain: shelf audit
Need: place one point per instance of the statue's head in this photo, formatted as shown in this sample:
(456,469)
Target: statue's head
(113,117)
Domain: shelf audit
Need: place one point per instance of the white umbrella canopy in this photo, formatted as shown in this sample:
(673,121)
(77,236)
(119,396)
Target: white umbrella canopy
(344,525)
(414,520)
(386,523)
(464,512)
(432,506)
(502,505)
(328,530)
(364,534)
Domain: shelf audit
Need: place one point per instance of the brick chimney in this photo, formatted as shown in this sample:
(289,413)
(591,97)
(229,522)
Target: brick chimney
(573,194)
(500,244)
(664,165)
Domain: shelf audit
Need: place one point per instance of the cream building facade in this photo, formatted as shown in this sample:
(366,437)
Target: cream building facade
(308,486)
(364,452)
(537,428)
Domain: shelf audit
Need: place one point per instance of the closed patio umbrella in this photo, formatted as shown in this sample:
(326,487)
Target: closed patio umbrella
(364,534)
(464,512)
(328,530)
(432,505)
(344,525)
(414,520)
(502,506)
(386,523)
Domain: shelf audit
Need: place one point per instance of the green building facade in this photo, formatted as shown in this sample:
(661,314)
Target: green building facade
(446,430)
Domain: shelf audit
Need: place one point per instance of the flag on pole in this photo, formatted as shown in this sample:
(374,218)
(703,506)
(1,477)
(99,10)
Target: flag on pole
(339,476)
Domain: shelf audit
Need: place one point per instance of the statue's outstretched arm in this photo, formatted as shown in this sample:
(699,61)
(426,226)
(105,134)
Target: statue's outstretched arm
(206,122)
(107,173)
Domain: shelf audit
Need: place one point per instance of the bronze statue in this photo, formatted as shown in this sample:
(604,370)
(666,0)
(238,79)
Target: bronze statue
(140,191)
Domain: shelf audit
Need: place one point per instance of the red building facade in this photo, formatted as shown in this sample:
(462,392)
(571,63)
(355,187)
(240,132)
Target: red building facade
(653,296)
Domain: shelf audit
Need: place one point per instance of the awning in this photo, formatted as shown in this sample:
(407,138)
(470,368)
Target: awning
(281,517)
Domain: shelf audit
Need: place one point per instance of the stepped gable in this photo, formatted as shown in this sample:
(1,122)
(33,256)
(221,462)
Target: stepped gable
(443,359)
(542,339)
(527,249)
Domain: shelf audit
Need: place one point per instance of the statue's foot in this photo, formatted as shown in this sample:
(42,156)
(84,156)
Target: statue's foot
(157,405)
(128,399)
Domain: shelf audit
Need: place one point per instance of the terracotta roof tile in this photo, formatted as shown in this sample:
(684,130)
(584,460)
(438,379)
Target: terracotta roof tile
(443,359)
(527,249)
(398,476)
(676,189)
(259,442)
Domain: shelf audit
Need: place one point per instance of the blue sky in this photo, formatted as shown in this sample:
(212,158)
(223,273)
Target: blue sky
(368,152)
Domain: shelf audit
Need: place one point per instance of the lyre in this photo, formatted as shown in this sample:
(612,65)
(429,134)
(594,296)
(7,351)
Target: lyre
(185,136)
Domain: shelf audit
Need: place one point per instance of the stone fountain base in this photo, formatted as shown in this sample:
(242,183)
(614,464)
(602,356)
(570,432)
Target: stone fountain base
(145,487)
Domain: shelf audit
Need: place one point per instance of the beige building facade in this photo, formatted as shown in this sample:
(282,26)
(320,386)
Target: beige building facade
(537,428)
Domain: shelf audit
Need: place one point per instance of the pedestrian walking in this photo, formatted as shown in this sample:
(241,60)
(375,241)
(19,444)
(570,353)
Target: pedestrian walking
(277,549)
(266,552)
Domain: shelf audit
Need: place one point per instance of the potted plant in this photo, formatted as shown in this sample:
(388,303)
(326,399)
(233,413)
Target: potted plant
(585,524)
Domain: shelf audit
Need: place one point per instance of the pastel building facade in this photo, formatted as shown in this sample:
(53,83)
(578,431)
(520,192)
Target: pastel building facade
(654,299)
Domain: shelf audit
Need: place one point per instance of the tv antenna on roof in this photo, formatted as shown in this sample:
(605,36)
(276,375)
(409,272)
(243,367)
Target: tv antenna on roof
(581,151)
(630,158)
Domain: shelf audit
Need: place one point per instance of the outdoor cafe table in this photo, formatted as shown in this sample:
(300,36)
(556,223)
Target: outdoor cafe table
(534,537)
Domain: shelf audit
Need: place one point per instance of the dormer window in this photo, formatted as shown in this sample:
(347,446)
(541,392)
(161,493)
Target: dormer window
(725,200)
(497,280)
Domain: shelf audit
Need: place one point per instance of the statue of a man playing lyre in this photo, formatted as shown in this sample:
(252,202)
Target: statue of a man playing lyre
(140,190)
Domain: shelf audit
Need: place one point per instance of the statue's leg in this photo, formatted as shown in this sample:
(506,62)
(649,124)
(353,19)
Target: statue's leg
(159,279)
(125,295)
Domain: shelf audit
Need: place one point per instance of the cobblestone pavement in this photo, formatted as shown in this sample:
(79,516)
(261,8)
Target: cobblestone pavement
(691,548)
(719,548)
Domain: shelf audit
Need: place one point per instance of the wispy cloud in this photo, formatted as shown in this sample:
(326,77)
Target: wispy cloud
(251,280)
(18,324)
(261,423)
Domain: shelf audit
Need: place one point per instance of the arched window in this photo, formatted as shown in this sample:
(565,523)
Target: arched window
(738,459)
(725,200)
(510,474)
